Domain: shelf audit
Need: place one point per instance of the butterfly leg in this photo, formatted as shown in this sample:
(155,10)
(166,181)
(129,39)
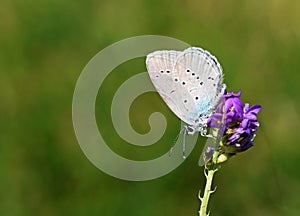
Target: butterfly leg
(188,130)
(185,131)
(175,140)
(183,144)
(203,132)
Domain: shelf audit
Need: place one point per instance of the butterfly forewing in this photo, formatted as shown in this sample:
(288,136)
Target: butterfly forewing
(160,66)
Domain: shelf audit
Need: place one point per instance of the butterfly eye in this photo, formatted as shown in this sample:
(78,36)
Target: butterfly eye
(201,83)
(176,80)
(168,71)
(185,101)
(196,98)
(161,71)
(183,83)
(187,70)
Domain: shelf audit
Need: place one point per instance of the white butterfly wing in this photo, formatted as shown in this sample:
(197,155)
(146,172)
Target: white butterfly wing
(203,77)
(160,66)
(190,82)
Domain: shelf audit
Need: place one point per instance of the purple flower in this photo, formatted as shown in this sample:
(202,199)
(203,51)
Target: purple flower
(237,122)
(231,105)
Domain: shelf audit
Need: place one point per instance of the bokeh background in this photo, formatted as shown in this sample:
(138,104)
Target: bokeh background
(44,45)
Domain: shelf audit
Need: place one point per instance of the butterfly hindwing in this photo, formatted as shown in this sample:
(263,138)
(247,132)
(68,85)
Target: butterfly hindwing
(203,76)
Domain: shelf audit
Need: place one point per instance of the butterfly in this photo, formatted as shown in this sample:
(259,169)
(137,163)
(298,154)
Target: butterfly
(190,82)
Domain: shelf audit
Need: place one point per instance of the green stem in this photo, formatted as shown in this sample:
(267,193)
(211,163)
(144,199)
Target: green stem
(207,191)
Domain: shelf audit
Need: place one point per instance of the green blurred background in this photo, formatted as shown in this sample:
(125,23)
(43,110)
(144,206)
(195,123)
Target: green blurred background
(44,45)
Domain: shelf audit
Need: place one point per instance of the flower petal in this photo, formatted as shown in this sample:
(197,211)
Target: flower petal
(254,109)
(215,120)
